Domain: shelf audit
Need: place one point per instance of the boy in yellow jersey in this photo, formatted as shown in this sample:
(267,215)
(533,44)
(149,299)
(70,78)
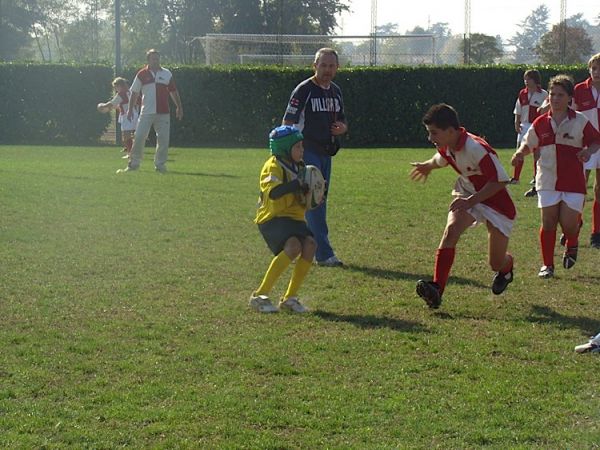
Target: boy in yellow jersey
(280,219)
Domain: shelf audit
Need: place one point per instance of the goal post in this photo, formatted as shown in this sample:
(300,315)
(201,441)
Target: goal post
(287,49)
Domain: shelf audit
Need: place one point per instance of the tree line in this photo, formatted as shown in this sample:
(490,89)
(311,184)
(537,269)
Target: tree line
(83,30)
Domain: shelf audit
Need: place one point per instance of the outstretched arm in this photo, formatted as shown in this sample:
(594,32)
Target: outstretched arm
(421,170)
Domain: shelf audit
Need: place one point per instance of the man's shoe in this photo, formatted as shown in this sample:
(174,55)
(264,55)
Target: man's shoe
(501,282)
(531,193)
(262,304)
(546,272)
(127,169)
(592,346)
(332,261)
(595,240)
(569,257)
(513,180)
(430,292)
(292,304)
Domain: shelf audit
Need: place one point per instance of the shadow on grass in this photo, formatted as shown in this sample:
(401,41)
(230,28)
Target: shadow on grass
(370,322)
(399,275)
(545,315)
(203,174)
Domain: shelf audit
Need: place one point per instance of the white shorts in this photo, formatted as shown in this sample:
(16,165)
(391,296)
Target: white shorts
(524,129)
(126,124)
(594,162)
(483,213)
(573,200)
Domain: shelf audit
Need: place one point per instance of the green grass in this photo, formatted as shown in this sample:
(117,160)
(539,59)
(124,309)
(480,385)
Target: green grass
(124,317)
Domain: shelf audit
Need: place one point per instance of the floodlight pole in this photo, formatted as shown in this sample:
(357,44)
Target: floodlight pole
(118,59)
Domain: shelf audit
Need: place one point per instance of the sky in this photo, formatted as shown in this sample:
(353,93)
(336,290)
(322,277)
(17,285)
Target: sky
(487,16)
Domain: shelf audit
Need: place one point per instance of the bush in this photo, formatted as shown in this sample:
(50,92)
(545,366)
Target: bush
(237,106)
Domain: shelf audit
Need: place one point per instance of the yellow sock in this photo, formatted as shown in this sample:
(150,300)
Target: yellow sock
(278,264)
(300,271)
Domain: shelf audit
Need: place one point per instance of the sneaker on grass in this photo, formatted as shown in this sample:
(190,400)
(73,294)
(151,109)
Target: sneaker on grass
(501,282)
(430,293)
(332,261)
(262,304)
(292,304)
(546,272)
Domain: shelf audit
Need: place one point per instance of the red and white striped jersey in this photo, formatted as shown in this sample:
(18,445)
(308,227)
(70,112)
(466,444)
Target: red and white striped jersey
(155,88)
(586,100)
(528,103)
(477,164)
(559,169)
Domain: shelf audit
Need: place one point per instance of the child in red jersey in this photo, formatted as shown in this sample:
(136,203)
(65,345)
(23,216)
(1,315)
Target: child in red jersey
(564,139)
(120,102)
(480,196)
(530,99)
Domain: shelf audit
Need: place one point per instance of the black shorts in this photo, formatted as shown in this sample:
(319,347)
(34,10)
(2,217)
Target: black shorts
(278,230)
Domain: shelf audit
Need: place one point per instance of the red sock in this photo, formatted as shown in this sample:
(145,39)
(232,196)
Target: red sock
(444,258)
(517,170)
(548,241)
(572,241)
(596,217)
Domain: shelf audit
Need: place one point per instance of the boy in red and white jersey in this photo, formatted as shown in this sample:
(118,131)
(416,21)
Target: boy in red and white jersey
(480,196)
(564,139)
(526,111)
(120,102)
(586,100)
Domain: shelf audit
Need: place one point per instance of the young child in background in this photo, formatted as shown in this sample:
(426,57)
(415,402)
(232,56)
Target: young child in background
(529,100)
(120,102)
(480,196)
(564,139)
(586,99)
(280,219)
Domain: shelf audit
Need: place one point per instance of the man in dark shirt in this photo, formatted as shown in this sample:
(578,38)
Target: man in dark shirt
(316,107)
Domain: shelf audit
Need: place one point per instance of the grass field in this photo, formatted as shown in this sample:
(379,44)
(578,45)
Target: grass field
(124,318)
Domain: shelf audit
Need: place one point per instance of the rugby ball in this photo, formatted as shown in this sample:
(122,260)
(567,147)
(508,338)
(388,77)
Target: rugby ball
(316,186)
(103,109)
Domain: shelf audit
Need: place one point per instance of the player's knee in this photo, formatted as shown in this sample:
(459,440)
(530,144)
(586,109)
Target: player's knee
(293,247)
(309,248)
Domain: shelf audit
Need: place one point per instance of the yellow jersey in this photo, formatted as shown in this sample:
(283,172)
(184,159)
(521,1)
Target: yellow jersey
(273,174)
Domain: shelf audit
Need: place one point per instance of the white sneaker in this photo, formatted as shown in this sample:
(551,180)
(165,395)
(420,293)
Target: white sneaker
(592,346)
(262,304)
(125,157)
(332,261)
(126,169)
(293,304)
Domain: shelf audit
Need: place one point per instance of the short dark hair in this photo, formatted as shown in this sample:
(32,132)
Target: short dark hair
(442,116)
(152,51)
(326,51)
(534,75)
(564,81)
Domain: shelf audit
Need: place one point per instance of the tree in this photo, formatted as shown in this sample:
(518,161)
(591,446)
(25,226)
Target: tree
(577,50)
(15,22)
(532,29)
(483,49)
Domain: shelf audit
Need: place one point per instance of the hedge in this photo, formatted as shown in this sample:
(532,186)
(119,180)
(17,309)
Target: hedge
(236,106)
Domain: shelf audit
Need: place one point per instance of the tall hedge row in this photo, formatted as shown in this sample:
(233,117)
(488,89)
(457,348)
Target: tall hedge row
(235,106)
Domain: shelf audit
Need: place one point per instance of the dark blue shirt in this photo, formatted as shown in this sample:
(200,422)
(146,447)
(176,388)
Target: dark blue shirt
(313,110)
